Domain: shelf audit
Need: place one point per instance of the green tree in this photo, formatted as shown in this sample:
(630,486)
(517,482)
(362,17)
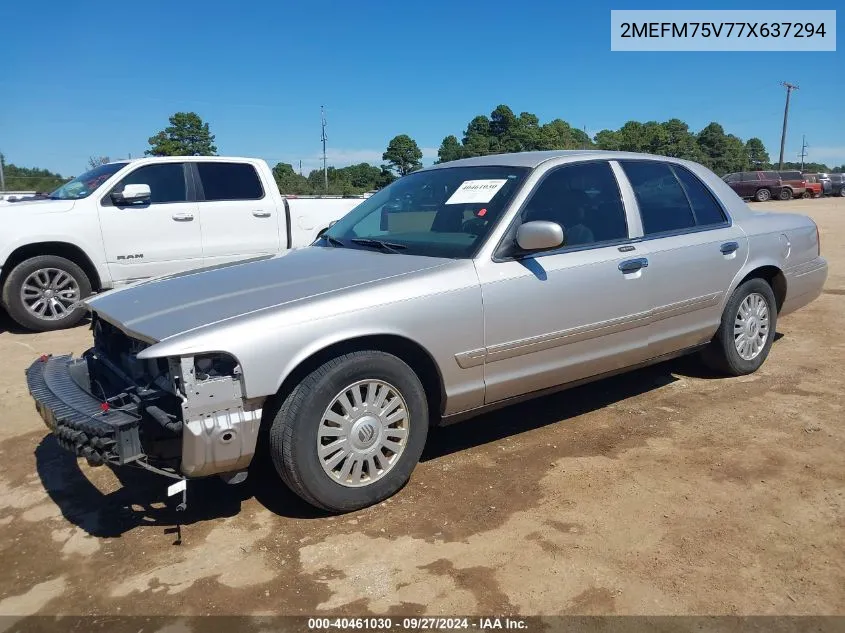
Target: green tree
(756,152)
(723,153)
(403,155)
(450,149)
(811,168)
(290,182)
(30,178)
(477,138)
(186,135)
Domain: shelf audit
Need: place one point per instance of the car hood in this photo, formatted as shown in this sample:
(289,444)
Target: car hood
(39,206)
(164,307)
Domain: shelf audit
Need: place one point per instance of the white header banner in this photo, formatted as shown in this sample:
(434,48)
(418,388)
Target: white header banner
(764,30)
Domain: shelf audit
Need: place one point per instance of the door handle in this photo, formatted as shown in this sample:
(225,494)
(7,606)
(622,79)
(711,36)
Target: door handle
(729,247)
(633,265)
(183,217)
(261,214)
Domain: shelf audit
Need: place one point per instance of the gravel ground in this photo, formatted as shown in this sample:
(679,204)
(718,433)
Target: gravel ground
(664,491)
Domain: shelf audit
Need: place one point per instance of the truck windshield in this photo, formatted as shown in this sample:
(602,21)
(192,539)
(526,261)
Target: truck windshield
(445,212)
(84,185)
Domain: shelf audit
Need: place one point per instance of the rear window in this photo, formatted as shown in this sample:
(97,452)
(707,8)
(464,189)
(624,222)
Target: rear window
(749,175)
(771,174)
(791,175)
(229,181)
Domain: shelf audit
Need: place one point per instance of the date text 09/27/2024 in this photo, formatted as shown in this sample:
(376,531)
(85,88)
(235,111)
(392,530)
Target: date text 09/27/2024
(418,623)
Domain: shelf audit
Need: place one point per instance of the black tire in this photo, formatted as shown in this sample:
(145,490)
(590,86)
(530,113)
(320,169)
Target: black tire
(785,194)
(721,355)
(806,195)
(763,195)
(842,192)
(15,305)
(293,434)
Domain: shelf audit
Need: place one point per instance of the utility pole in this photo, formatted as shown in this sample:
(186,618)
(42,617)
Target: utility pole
(323,138)
(789,88)
(587,139)
(300,166)
(803,151)
(2,175)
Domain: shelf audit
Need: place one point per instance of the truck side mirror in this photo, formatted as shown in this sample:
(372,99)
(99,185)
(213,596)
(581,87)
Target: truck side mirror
(132,194)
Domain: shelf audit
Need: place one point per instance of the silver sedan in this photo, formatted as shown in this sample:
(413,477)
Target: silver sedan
(458,288)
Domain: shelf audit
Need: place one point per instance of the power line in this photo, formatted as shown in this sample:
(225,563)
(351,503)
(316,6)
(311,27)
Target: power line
(789,88)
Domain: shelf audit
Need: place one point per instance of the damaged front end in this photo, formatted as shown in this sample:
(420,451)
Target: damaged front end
(183,416)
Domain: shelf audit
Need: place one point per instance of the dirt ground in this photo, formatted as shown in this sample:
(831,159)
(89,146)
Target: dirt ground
(664,491)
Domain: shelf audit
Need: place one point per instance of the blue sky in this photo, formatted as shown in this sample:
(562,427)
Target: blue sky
(103,79)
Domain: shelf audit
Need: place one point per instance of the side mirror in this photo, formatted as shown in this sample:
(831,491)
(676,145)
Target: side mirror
(386,210)
(132,194)
(539,235)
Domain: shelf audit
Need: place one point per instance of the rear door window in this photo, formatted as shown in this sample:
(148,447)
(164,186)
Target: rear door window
(229,181)
(663,204)
(749,176)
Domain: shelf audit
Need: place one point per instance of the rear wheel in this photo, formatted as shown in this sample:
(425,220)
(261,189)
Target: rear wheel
(785,193)
(746,332)
(350,434)
(763,195)
(842,192)
(43,293)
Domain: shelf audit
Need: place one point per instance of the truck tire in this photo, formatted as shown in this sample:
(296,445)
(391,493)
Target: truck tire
(785,194)
(42,293)
(746,332)
(806,195)
(349,435)
(763,195)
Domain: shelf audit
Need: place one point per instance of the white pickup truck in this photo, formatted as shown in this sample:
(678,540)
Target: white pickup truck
(130,220)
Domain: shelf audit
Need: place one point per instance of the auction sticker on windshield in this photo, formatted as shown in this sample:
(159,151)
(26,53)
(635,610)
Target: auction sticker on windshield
(476,191)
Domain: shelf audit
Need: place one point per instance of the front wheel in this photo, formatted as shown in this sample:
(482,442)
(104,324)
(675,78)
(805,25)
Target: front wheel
(43,293)
(806,195)
(746,331)
(350,434)
(842,192)
(785,194)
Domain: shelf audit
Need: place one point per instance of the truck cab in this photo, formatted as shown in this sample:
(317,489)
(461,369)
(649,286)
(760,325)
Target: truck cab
(131,220)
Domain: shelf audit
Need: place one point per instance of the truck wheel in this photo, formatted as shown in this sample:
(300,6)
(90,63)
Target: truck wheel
(762,195)
(806,195)
(349,435)
(746,332)
(785,194)
(42,293)
(842,192)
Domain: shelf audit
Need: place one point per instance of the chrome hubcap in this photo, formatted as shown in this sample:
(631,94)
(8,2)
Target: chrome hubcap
(50,294)
(751,326)
(363,433)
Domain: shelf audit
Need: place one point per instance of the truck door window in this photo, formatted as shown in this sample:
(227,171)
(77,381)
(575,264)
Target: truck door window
(165,180)
(229,181)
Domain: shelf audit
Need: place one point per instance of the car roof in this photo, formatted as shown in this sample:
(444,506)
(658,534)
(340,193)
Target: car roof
(533,159)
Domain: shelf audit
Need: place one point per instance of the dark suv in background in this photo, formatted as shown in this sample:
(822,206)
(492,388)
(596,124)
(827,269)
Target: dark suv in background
(795,180)
(837,185)
(758,185)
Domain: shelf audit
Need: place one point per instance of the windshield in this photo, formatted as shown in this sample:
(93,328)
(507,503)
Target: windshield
(84,185)
(444,212)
